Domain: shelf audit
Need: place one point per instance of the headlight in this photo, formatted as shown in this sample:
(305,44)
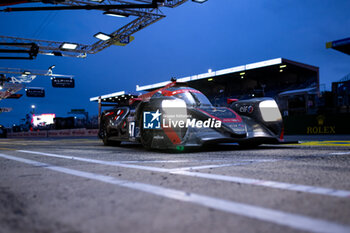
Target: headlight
(270,111)
(176,103)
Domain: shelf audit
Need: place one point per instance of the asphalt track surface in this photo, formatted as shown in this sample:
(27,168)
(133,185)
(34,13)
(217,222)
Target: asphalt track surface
(79,185)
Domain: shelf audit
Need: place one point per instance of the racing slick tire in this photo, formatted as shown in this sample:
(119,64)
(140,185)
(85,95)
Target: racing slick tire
(146,139)
(107,142)
(146,136)
(104,136)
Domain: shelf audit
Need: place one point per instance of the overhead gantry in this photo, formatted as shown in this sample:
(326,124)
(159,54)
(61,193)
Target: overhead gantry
(146,12)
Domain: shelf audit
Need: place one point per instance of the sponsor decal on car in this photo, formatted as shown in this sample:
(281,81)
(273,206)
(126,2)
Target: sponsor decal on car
(209,123)
(246,108)
(155,120)
(151,120)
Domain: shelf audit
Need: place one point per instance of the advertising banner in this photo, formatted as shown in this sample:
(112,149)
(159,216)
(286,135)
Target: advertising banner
(63,82)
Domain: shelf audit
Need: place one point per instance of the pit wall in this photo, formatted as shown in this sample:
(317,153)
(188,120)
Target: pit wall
(55,133)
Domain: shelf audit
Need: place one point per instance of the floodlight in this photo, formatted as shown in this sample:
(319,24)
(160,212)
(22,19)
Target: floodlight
(54,53)
(58,54)
(102,36)
(49,70)
(199,1)
(115,14)
(68,46)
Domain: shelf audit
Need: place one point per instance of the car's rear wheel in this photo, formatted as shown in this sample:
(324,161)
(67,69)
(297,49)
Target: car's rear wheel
(104,135)
(108,142)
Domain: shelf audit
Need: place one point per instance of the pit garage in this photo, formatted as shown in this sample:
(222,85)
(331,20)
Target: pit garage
(342,45)
(265,78)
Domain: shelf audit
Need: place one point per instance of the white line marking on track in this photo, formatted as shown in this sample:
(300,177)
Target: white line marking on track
(199,161)
(110,163)
(155,161)
(269,215)
(243,162)
(341,153)
(234,179)
(209,166)
(269,184)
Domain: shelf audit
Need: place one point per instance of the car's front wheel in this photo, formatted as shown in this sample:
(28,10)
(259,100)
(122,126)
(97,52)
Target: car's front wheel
(146,137)
(104,135)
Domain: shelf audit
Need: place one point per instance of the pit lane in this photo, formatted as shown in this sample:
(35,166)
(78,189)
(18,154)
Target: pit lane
(79,185)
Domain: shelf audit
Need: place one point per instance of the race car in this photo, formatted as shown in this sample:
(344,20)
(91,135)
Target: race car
(177,116)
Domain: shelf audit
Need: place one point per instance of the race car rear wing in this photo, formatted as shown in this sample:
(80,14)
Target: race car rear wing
(113,100)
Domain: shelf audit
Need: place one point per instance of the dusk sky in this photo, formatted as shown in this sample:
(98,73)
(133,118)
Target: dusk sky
(191,39)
